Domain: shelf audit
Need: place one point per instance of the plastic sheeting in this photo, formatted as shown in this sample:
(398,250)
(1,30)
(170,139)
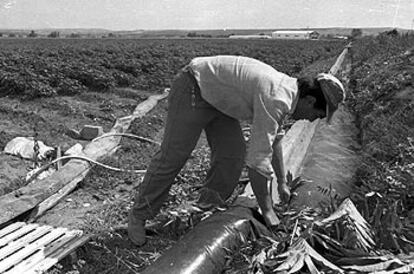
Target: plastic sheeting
(331,161)
(24,147)
(204,248)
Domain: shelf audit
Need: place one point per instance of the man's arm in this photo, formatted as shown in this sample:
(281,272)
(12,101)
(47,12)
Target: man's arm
(279,169)
(260,186)
(260,154)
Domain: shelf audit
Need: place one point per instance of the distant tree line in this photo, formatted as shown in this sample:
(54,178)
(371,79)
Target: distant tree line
(195,34)
(54,34)
(354,34)
(32,34)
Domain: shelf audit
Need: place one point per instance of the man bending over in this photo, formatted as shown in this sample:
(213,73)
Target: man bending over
(213,94)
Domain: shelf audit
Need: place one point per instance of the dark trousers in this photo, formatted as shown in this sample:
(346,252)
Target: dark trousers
(188,115)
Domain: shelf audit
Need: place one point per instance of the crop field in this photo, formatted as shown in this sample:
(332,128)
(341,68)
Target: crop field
(50,86)
(33,68)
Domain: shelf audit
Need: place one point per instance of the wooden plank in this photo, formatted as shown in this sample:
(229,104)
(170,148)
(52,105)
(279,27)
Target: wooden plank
(50,255)
(11,228)
(58,155)
(34,249)
(30,196)
(31,248)
(45,255)
(17,234)
(24,241)
(57,197)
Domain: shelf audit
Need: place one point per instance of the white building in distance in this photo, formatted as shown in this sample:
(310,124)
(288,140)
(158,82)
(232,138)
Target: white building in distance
(295,34)
(252,36)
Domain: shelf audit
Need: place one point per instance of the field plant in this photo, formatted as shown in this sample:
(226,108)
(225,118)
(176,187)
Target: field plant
(43,67)
(383,100)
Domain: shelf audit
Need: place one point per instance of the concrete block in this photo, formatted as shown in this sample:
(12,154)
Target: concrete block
(89,132)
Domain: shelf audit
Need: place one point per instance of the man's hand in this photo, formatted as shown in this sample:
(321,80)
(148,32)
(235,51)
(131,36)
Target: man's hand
(263,197)
(284,192)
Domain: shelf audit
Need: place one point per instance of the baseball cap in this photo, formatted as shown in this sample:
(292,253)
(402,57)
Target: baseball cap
(333,91)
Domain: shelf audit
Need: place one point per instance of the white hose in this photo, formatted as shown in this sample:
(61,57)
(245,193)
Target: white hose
(43,168)
(128,135)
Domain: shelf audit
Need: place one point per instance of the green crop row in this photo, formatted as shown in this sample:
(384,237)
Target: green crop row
(33,68)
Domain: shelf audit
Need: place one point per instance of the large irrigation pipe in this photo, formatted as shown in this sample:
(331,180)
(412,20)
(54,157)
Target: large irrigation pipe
(204,248)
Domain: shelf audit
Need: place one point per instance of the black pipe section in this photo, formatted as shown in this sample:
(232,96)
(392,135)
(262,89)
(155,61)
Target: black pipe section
(205,247)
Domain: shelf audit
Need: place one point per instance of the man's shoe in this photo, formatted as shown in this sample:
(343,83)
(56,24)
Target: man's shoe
(210,206)
(136,230)
(210,199)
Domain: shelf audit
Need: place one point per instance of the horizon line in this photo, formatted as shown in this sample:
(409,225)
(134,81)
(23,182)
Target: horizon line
(201,29)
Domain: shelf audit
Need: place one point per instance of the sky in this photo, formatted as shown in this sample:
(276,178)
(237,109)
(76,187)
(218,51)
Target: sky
(204,14)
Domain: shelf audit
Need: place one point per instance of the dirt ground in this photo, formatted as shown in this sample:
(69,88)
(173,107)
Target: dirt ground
(100,203)
(50,119)
(103,187)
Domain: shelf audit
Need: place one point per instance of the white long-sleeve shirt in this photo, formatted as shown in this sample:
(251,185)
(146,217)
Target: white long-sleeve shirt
(247,89)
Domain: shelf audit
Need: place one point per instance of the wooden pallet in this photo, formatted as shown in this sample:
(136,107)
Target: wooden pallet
(34,248)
